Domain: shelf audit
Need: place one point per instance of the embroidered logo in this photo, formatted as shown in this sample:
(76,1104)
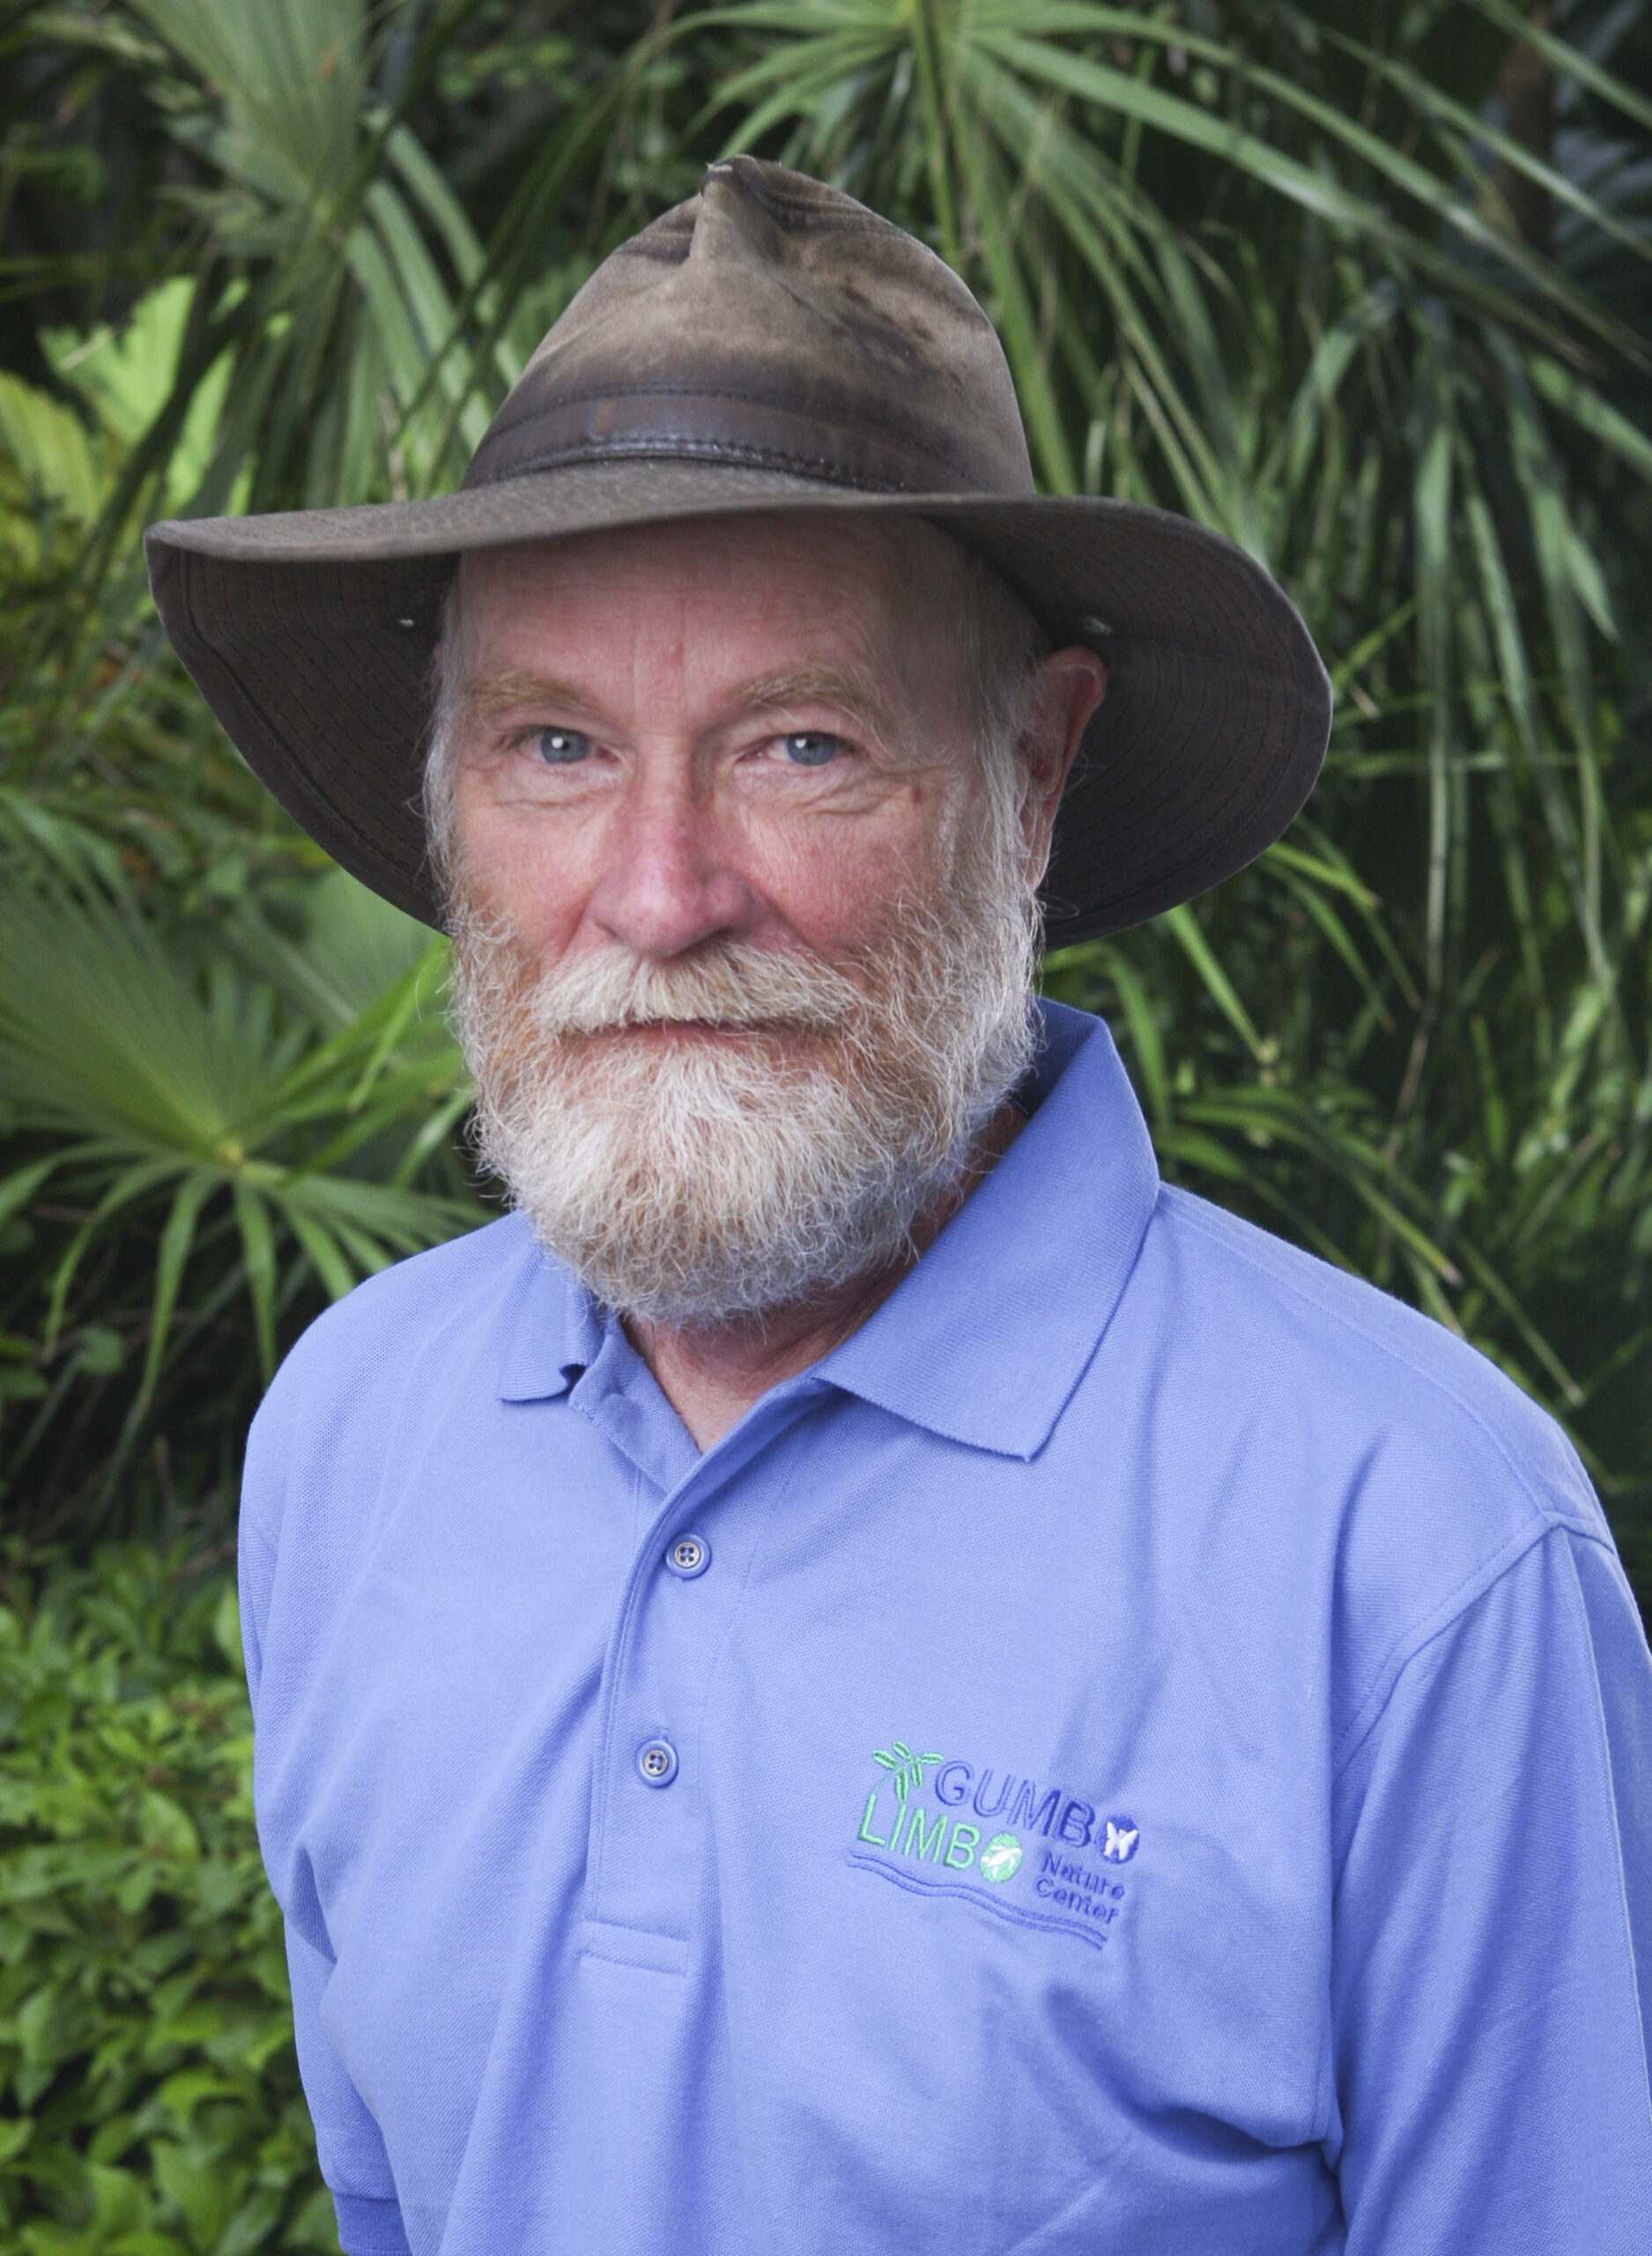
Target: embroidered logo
(1119,1846)
(912,1831)
(907,1768)
(1001,1858)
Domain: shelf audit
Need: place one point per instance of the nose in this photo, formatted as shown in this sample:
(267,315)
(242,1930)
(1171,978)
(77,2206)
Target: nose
(667,884)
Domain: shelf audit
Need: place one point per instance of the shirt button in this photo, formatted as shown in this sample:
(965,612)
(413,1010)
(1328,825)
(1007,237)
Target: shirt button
(656,1762)
(688,1556)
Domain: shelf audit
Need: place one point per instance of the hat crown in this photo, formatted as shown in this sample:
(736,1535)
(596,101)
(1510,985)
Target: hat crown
(771,323)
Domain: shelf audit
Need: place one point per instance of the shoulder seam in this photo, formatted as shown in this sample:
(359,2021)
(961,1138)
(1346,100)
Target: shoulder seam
(1547,1517)
(1421,1634)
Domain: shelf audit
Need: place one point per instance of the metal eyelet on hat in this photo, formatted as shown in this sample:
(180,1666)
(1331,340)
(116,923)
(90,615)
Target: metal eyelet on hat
(688,1555)
(656,1762)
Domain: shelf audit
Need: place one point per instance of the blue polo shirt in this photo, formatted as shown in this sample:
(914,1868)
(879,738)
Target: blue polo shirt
(1147,1747)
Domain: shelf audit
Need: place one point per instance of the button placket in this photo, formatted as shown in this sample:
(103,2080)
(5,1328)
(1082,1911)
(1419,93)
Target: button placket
(646,1844)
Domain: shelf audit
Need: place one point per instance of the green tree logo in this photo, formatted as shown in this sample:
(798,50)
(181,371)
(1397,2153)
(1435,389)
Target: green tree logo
(906,1768)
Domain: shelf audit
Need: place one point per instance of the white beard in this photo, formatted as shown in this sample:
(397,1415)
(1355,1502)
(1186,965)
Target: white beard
(693,1181)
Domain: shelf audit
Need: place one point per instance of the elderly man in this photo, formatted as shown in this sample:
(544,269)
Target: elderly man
(856,1675)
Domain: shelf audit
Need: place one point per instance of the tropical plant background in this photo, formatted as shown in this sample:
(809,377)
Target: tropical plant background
(1365,284)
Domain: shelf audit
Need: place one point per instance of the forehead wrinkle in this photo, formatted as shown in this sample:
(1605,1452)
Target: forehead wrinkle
(914,564)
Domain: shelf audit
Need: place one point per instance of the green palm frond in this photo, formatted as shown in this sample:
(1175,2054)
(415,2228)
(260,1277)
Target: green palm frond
(189,1103)
(321,313)
(908,1768)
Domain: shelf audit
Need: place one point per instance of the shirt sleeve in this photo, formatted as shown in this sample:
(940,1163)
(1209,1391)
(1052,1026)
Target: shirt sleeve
(1493,1945)
(348,2144)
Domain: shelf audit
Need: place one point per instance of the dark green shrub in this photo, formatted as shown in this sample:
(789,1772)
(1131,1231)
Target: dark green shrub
(150,2102)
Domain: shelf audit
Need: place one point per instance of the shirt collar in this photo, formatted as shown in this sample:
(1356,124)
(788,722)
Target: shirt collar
(556,1331)
(985,1338)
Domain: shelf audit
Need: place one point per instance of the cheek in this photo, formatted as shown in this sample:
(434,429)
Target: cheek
(521,869)
(834,882)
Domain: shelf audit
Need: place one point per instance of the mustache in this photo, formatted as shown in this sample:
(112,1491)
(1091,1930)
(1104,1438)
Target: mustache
(732,983)
(701,1181)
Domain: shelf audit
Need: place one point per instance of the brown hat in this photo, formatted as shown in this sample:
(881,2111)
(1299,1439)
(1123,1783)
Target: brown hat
(769,345)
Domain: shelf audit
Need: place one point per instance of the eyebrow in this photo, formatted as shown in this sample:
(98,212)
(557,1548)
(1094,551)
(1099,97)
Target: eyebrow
(488,696)
(843,686)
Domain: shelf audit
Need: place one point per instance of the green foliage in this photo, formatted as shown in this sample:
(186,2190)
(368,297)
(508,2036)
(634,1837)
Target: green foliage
(225,1087)
(1309,273)
(205,1133)
(149,2094)
(318,304)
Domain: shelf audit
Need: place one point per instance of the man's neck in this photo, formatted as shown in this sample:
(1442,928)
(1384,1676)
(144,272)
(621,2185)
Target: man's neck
(712,1374)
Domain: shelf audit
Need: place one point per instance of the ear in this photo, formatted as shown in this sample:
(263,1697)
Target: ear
(1067,687)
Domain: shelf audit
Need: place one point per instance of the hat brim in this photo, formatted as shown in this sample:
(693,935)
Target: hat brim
(311,634)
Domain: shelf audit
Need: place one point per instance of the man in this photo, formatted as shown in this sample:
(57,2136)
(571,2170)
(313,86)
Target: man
(857,1675)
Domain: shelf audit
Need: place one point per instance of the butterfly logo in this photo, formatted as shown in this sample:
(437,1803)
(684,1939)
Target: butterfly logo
(1120,1845)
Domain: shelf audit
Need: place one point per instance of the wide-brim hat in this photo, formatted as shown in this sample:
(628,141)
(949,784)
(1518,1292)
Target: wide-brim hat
(769,345)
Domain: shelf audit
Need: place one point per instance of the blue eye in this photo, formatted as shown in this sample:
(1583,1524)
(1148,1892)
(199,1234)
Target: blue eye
(808,748)
(560,747)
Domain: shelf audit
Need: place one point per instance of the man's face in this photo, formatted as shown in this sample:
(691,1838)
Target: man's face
(747,729)
(742,918)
